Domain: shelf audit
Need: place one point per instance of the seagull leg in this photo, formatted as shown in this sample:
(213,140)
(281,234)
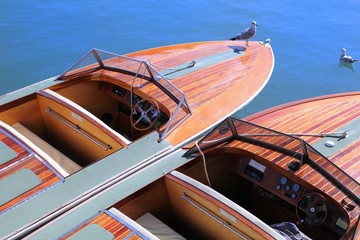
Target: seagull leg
(247,43)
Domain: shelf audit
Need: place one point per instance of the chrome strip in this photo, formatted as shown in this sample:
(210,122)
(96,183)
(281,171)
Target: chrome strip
(189,200)
(77,129)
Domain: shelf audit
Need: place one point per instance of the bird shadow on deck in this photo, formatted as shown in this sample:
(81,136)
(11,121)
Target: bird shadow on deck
(238,49)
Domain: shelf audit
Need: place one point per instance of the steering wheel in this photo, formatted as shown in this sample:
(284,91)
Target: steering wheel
(149,112)
(312,209)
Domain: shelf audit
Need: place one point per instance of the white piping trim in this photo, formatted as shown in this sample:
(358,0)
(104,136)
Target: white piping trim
(35,148)
(243,212)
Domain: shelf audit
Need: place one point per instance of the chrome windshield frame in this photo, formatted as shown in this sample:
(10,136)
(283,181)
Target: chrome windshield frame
(97,59)
(232,129)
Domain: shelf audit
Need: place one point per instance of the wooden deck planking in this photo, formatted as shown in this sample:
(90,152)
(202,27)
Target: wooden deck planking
(349,160)
(178,58)
(231,98)
(306,120)
(212,73)
(233,81)
(108,223)
(223,75)
(319,115)
(171,56)
(322,119)
(194,85)
(307,173)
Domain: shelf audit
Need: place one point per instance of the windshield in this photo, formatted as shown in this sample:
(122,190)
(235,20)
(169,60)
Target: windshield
(237,130)
(143,73)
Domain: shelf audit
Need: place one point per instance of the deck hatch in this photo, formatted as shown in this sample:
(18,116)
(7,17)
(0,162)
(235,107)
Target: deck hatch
(31,175)
(24,180)
(6,153)
(93,231)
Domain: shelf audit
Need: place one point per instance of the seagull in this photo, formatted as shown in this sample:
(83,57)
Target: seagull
(266,42)
(346,58)
(247,33)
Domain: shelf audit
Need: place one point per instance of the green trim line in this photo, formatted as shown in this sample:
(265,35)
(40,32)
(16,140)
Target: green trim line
(184,69)
(93,231)
(353,135)
(24,180)
(6,153)
(12,96)
(112,196)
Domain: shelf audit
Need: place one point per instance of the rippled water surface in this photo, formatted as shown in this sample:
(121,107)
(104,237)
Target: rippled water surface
(40,39)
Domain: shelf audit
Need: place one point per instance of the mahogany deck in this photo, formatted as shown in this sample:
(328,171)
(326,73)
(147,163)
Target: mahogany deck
(108,223)
(25,159)
(213,92)
(315,116)
(318,115)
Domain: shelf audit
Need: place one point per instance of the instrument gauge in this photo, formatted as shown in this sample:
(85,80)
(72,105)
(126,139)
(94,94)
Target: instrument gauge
(295,187)
(283,180)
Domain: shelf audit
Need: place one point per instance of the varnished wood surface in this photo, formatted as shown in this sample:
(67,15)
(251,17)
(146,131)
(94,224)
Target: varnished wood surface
(110,224)
(319,115)
(25,160)
(213,92)
(316,115)
(211,229)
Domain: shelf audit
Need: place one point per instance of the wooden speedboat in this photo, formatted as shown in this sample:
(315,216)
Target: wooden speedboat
(242,181)
(109,116)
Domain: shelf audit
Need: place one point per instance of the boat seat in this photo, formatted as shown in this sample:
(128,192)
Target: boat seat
(289,231)
(157,227)
(66,163)
(225,202)
(123,218)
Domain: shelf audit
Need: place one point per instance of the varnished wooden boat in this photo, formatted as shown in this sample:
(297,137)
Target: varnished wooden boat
(242,181)
(108,116)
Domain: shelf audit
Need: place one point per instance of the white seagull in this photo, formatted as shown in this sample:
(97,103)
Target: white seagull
(247,33)
(345,58)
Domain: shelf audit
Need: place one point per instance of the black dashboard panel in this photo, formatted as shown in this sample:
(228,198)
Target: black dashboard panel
(269,179)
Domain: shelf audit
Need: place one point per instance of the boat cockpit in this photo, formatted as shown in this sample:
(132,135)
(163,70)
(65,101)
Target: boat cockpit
(242,181)
(277,187)
(245,181)
(136,86)
(99,106)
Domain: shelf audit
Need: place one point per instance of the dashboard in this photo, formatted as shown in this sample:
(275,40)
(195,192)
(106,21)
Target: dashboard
(312,207)
(278,184)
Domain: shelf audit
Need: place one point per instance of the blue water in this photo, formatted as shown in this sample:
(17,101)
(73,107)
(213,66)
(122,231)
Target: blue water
(40,39)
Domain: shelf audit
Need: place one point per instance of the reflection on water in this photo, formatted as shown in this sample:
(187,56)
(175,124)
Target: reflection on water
(346,65)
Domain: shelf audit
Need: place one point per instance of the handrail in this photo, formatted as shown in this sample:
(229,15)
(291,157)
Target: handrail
(199,207)
(77,129)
